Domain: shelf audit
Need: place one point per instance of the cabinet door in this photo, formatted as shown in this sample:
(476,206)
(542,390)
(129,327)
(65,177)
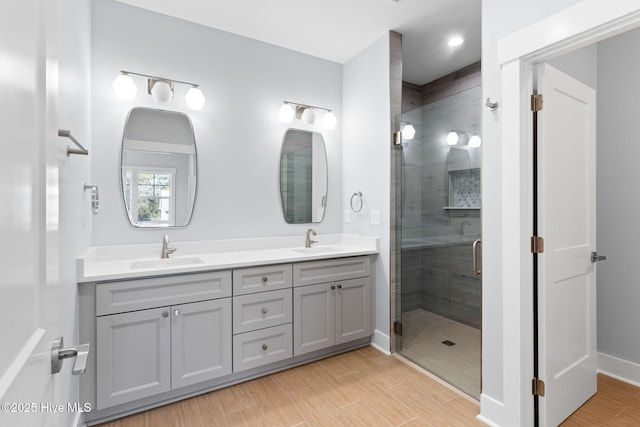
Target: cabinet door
(133,359)
(313,318)
(200,341)
(353,309)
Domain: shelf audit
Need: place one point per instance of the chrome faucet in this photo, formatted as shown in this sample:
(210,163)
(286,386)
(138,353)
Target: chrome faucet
(166,250)
(308,242)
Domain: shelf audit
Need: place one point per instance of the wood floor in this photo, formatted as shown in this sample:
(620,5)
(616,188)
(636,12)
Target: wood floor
(361,388)
(616,404)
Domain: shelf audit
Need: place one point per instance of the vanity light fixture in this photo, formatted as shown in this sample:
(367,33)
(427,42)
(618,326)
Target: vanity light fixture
(408,131)
(460,137)
(307,113)
(161,89)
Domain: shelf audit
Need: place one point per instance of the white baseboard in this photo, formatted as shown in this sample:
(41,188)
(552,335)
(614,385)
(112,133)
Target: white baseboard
(490,411)
(620,369)
(381,342)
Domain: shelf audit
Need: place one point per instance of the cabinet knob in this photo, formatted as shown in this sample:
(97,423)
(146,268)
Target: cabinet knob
(264,279)
(176,312)
(333,287)
(264,310)
(264,347)
(339,286)
(165,314)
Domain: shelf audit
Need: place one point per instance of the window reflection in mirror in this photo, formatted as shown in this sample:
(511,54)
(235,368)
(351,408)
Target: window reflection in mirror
(303,177)
(158,163)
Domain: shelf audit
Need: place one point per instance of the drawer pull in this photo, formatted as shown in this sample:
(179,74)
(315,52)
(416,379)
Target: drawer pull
(165,314)
(264,278)
(177,312)
(339,286)
(264,347)
(264,310)
(333,287)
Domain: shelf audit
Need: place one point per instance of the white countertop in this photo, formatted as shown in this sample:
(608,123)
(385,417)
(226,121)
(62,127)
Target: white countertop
(102,263)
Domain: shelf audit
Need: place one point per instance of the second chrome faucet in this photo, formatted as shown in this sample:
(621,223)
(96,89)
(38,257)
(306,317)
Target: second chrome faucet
(166,250)
(308,242)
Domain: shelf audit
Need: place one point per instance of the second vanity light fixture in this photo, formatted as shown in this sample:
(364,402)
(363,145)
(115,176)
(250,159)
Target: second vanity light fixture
(459,137)
(161,89)
(306,113)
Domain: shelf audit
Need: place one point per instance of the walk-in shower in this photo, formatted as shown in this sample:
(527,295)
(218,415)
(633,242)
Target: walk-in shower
(438,199)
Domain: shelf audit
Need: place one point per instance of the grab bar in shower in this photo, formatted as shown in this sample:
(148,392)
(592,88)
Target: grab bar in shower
(474,261)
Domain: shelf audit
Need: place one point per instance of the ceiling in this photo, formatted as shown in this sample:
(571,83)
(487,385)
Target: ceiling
(337,30)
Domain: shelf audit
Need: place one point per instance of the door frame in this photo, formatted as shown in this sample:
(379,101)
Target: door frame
(582,24)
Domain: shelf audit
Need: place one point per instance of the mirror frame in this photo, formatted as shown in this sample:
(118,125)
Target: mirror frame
(326,161)
(195,190)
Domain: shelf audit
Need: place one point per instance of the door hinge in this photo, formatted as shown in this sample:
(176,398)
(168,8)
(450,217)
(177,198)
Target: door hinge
(536,103)
(537,387)
(537,245)
(397,328)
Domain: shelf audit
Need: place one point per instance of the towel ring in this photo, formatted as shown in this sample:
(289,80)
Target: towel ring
(357,194)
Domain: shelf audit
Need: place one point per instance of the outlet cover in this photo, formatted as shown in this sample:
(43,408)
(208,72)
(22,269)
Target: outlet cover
(375,217)
(347,216)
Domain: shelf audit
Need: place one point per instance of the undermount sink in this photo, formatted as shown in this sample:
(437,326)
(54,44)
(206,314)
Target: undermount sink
(167,262)
(315,250)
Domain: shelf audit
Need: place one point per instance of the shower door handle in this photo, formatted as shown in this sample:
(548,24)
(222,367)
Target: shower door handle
(474,261)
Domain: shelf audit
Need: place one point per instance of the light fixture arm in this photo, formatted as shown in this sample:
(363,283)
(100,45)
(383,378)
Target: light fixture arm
(297,104)
(164,79)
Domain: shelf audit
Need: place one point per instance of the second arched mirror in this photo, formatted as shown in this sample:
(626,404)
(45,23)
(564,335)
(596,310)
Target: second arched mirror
(303,177)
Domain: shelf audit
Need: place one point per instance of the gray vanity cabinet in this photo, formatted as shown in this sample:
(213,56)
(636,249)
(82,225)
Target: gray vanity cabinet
(331,312)
(136,360)
(153,350)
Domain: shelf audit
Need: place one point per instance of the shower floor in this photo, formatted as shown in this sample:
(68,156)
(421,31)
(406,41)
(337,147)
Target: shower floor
(423,334)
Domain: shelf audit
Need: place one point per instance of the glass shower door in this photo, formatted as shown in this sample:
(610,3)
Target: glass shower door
(437,193)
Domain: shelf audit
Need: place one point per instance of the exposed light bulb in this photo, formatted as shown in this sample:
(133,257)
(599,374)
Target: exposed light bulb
(286,113)
(475,141)
(124,87)
(408,132)
(194,98)
(308,116)
(455,41)
(329,120)
(453,137)
(161,92)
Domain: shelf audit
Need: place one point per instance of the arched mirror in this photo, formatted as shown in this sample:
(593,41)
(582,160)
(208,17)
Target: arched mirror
(303,177)
(158,164)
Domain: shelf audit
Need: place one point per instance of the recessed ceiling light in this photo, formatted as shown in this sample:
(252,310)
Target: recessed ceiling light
(455,41)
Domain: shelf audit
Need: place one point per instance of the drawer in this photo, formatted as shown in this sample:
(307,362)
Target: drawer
(310,273)
(261,310)
(260,279)
(257,348)
(131,295)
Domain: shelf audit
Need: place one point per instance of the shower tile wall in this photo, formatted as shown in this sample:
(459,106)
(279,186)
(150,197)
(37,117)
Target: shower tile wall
(437,276)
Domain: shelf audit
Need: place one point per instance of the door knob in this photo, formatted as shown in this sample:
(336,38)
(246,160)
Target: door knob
(595,257)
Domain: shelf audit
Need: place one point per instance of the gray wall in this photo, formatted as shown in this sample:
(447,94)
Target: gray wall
(238,133)
(617,192)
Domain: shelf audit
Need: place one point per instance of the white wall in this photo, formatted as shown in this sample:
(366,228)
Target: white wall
(367,162)
(618,202)
(499,18)
(238,134)
(74,22)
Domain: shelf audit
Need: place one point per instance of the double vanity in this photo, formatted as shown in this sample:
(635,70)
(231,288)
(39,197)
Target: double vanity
(216,313)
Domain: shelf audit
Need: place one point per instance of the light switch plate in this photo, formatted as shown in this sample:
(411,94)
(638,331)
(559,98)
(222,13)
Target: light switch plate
(375,217)
(347,216)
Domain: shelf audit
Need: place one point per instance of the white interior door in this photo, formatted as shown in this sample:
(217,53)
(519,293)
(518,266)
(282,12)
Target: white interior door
(567,222)
(28,213)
